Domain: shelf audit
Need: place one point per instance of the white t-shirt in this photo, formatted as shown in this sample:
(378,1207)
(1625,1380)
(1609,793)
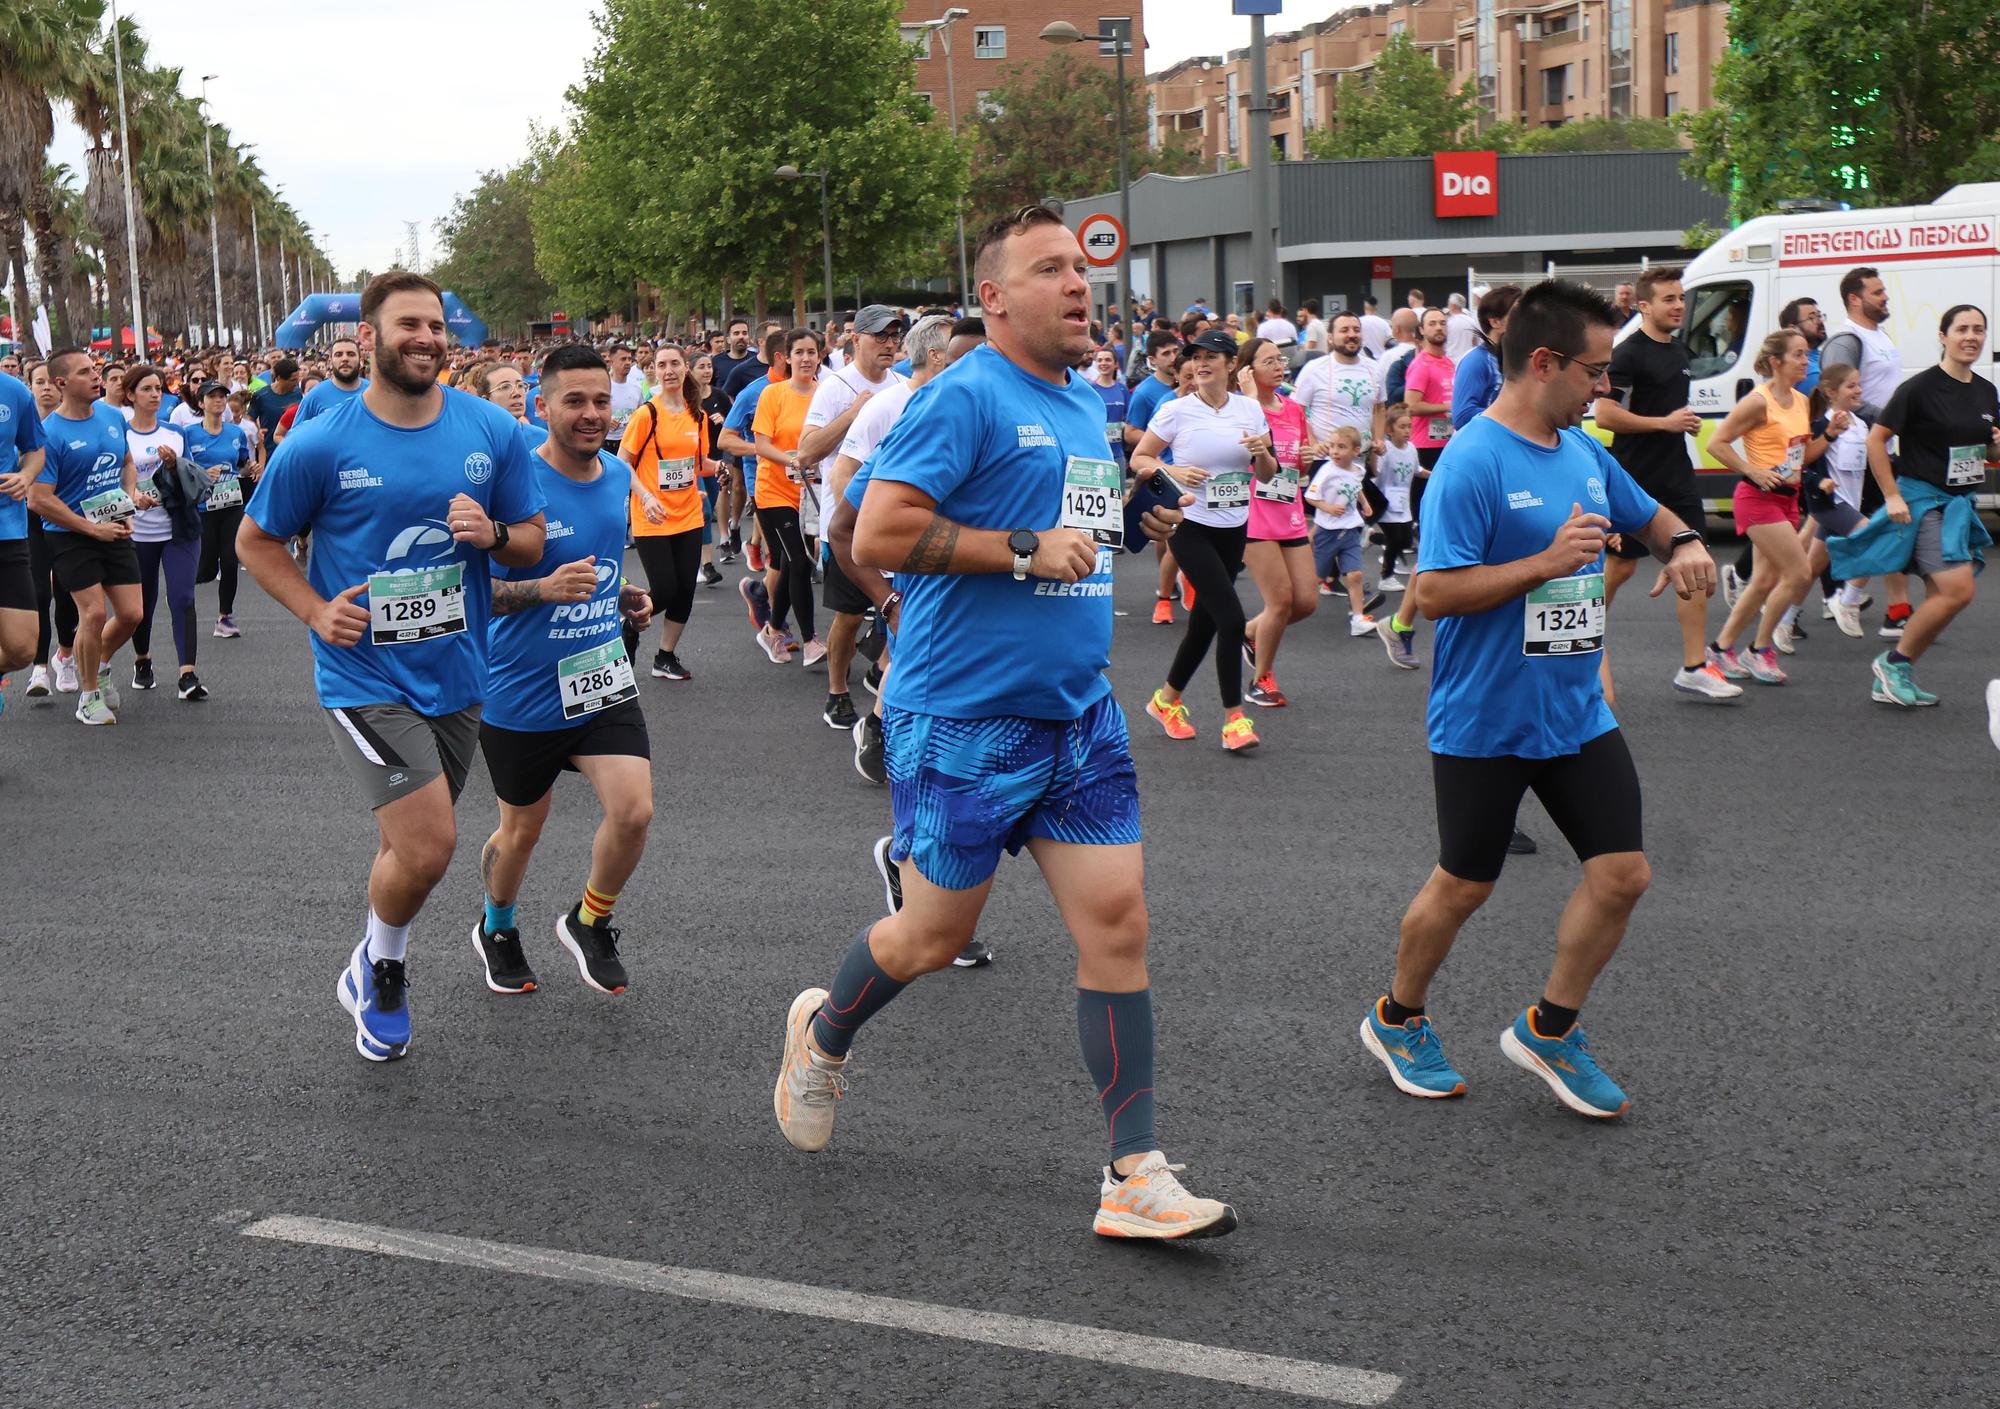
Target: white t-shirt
(1199,434)
(1333,485)
(866,430)
(185,415)
(1461,334)
(1395,471)
(1336,393)
(1282,331)
(1881,367)
(151,525)
(1315,335)
(835,393)
(1846,462)
(626,397)
(1376,334)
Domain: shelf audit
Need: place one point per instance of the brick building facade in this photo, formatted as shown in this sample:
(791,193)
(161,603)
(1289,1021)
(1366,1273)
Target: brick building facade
(1000,39)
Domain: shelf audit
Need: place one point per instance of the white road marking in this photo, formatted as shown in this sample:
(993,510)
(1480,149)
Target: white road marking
(1310,1379)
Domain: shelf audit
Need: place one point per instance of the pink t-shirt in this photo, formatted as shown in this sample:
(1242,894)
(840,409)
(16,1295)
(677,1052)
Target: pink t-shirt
(1429,379)
(1272,517)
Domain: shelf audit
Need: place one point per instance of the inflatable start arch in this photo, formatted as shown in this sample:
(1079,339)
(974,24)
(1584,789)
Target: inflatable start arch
(315,311)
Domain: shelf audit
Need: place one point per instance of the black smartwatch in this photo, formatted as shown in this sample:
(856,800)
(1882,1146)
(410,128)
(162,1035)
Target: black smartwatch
(500,536)
(1686,535)
(1022,544)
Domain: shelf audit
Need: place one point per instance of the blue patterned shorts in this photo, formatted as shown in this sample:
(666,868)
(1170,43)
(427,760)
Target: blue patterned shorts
(963,789)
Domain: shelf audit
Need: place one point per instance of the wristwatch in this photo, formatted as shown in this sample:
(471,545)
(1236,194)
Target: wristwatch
(1686,535)
(1022,544)
(500,536)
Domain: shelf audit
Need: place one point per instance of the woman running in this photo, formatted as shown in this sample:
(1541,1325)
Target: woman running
(1946,422)
(56,607)
(166,537)
(1279,546)
(1833,494)
(500,383)
(666,444)
(1774,424)
(780,420)
(1220,441)
(717,490)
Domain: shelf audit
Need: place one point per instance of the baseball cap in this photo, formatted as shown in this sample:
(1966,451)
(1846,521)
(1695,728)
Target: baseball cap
(1215,340)
(878,318)
(211,385)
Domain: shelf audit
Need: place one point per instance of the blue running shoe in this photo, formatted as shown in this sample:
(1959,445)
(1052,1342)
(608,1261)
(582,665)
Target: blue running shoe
(1412,1055)
(1566,1064)
(377,995)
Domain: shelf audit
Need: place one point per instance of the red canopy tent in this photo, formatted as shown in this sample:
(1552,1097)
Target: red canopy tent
(102,342)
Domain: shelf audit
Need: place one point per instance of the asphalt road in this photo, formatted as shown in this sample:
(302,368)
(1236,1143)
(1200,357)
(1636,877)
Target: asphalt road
(1792,1213)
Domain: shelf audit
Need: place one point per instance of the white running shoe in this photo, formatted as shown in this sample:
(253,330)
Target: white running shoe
(1732,585)
(66,673)
(773,646)
(1151,1203)
(1847,617)
(809,1086)
(1781,637)
(1707,681)
(1360,625)
(1391,583)
(91,709)
(1993,712)
(38,683)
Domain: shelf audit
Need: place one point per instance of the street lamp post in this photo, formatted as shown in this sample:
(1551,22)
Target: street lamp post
(788,172)
(941,27)
(1263,247)
(131,206)
(1063,32)
(214,238)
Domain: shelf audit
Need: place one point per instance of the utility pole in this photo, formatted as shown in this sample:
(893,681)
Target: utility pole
(131,210)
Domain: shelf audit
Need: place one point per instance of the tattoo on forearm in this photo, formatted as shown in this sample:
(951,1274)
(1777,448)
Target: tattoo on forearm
(515,597)
(934,547)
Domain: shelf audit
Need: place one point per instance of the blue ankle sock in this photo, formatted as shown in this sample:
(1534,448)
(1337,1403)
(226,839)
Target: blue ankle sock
(498,917)
(1116,1030)
(859,990)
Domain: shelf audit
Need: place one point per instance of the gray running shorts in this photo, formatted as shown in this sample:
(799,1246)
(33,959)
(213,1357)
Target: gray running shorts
(391,750)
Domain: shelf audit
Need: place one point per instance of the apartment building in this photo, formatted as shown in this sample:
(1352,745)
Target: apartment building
(998,40)
(1536,64)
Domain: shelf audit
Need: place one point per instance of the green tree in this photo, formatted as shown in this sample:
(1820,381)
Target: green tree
(1407,107)
(1054,132)
(1877,102)
(489,250)
(43,50)
(1597,134)
(681,194)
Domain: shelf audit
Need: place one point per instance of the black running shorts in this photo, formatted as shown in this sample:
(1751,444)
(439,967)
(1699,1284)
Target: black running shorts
(1592,796)
(17,579)
(524,764)
(81,561)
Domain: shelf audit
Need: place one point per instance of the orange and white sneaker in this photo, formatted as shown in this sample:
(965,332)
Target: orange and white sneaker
(809,1085)
(1238,734)
(1172,715)
(1163,611)
(1187,593)
(1150,1203)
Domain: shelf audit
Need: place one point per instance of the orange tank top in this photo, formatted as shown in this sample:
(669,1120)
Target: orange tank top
(1780,443)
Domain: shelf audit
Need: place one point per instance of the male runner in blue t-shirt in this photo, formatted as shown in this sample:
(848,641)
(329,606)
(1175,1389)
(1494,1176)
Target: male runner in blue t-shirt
(990,499)
(560,693)
(343,361)
(409,494)
(1511,568)
(20,462)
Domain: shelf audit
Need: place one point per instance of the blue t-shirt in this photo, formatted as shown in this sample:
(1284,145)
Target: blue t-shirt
(228,449)
(1116,399)
(989,442)
(1495,498)
(374,496)
(85,457)
(20,435)
(742,415)
(323,398)
(1144,400)
(532,384)
(1476,384)
(523,648)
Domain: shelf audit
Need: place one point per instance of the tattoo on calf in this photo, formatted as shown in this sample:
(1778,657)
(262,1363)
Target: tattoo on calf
(934,547)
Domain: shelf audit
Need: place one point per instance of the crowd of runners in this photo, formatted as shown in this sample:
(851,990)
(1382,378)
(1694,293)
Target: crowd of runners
(936,503)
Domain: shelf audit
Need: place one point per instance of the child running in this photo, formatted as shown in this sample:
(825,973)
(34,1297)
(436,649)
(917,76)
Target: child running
(1338,510)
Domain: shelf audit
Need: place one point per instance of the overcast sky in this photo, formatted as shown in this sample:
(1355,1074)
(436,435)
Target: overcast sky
(371,113)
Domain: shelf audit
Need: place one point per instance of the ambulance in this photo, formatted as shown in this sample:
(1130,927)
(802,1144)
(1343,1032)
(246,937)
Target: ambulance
(1928,257)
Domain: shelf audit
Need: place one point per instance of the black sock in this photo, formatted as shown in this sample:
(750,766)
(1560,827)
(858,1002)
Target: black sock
(1395,1014)
(1898,658)
(1552,1020)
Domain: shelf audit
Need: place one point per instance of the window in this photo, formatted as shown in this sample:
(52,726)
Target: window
(1586,78)
(1235,140)
(1396,27)
(1673,53)
(1716,319)
(925,95)
(1618,59)
(1556,24)
(1487,46)
(989,42)
(1555,85)
(1120,31)
(1152,119)
(918,37)
(1305,90)
(1673,103)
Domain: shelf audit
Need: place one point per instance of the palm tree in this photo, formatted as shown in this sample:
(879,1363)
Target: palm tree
(42,44)
(93,100)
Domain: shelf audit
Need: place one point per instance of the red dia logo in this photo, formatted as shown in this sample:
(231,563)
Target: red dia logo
(1465,183)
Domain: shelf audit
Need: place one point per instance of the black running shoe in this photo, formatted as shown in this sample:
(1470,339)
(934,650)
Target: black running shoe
(976,955)
(142,675)
(839,712)
(892,876)
(667,666)
(873,680)
(595,948)
(1521,844)
(1375,599)
(709,576)
(189,688)
(507,969)
(868,757)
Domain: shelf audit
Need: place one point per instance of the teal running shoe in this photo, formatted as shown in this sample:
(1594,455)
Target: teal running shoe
(1566,1064)
(1896,685)
(1412,1055)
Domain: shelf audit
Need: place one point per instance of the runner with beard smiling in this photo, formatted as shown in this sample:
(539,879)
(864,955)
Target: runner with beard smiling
(343,361)
(410,494)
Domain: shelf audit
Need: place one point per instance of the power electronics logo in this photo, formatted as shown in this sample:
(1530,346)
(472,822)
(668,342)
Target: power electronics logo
(479,467)
(1465,183)
(422,544)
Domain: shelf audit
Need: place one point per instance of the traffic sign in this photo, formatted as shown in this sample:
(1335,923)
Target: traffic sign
(1103,239)
(1107,274)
